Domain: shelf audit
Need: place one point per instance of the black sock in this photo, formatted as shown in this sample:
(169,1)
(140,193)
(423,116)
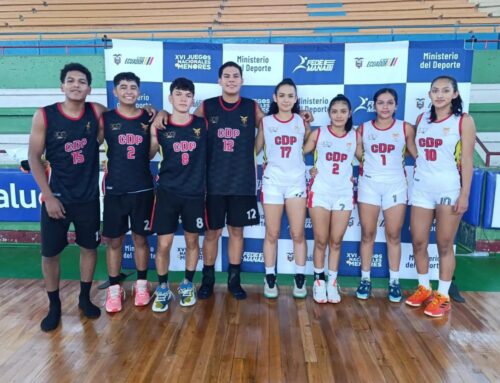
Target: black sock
(271,280)
(142,274)
(320,276)
(299,280)
(189,274)
(90,310)
(51,321)
(163,278)
(114,280)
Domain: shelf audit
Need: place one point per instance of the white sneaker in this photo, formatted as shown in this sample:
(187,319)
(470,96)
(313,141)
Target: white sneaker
(270,292)
(319,291)
(299,292)
(333,292)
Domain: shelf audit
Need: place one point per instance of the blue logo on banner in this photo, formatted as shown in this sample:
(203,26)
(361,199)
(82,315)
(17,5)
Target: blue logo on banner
(363,107)
(427,61)
(18,197)
(197,61)
(314,64)
(253,257)
(128,252)
(262,94)
(350,260)
(151,94)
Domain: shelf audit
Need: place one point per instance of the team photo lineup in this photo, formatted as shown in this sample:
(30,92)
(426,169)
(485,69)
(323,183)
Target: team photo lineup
(207,180)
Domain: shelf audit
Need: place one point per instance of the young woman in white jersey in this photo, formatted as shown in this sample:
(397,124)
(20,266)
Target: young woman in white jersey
(382,185)
(441,183)
(284,183)
(330,197)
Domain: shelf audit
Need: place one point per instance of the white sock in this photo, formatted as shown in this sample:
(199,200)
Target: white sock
(300,269)
(271,270)
(319,271)
(365,275)
(332,275)
(423,279)
(393,276)
(444,287)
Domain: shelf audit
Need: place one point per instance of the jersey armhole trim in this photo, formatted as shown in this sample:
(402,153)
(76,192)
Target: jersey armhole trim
(460,124)
(419,118)
(94,110)
(44,116)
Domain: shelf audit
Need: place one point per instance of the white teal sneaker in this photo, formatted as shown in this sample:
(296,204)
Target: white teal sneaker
(299,286)
(270,286)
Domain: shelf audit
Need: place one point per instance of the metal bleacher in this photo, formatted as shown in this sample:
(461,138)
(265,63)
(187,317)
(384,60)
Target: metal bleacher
(72,19)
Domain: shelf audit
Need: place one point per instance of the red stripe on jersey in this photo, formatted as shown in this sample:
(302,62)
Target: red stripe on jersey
(221,102)
(152,217)
(390,126)
(60,109)
(310,196)
(206,218)
(283,121)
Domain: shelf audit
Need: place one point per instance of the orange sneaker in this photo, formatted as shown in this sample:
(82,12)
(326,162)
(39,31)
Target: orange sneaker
(439,305)
(419,297)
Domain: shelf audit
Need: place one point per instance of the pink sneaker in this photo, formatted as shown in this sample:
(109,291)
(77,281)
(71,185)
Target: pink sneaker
(142,294)
(114,296)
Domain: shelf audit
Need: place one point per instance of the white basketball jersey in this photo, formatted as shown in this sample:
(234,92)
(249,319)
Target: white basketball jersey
(333,159)
(283,151)
(439,149)
(383,152)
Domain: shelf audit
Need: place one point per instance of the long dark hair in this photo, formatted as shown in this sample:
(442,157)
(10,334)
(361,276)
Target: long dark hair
(273,108)
(345,100)
(456,103)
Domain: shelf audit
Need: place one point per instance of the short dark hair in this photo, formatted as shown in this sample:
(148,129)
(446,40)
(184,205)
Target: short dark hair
(228,64)
(182,83)
(341,98)
(126,76)
(75,67)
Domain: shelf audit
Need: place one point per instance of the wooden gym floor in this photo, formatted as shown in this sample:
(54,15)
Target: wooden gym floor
(257,340)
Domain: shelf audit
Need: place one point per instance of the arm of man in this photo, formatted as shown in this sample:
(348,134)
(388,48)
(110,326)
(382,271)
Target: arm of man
(466,162)
(259,140)
(154,145)
(199,111)
(36,148)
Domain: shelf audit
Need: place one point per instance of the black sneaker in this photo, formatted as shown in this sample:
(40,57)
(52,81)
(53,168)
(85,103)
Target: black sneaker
(234,284)
(207,283)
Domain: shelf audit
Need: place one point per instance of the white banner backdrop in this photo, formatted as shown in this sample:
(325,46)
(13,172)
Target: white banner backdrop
(321,71)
